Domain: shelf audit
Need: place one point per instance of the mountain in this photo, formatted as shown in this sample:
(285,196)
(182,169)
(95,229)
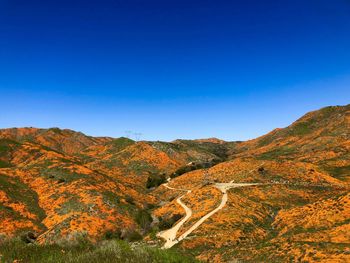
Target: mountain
(321,137)
(66,141)
(280,197)
(299,205)
(57,182)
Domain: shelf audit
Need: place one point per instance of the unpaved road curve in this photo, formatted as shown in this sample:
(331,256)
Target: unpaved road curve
(169,235)
(223,187)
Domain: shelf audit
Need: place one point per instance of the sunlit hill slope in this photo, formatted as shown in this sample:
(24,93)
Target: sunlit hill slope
(57,184)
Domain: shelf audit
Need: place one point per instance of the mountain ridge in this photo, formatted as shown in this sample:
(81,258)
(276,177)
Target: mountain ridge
(58,183)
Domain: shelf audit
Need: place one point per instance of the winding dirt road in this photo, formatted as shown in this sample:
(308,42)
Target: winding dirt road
(223,187)
(169,235)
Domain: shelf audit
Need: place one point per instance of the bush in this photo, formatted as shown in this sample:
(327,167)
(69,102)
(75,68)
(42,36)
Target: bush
(166,223)
(144,219)
(110,234)
(106,251)
(4,164)
(155,180)
(261,170)
(130,235)
(195,166)
(130,200)
(182,170)
(28,237)
(61,181)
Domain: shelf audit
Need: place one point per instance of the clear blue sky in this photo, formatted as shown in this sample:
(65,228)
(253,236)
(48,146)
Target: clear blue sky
(171,68)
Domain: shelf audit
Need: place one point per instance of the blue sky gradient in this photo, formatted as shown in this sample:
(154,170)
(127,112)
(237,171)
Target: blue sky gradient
(171,69)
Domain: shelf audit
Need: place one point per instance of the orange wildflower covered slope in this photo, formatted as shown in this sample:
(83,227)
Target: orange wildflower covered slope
(58,183)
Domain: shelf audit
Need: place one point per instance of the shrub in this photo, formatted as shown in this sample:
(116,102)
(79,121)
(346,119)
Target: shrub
(28,237)
(130,200)
(4,164)
(261,170)
(110,251)
(6,145)
(144,219)
(166,223)
(195,166)
(155,180)
(113,234)
(130,235)
(61,180)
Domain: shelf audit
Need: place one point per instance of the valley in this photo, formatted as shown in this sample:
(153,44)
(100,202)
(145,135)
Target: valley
(280,197)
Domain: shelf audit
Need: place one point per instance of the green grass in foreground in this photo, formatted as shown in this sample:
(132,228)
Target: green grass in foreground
(84,251)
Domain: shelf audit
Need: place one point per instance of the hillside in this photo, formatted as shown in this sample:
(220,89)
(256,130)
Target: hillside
(280,197)
(55,182)
(66,141)
(299,205)
(321,137)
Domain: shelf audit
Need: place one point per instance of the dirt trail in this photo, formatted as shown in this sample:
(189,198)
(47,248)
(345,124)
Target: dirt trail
(169,235)
(223,187)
